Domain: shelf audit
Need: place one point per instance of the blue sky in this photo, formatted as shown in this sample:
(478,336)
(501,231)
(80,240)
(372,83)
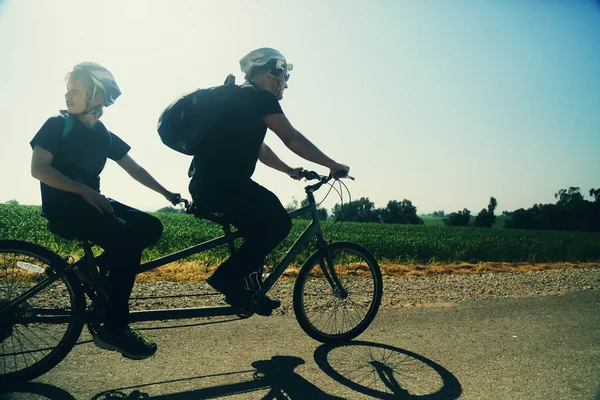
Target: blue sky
(444,103)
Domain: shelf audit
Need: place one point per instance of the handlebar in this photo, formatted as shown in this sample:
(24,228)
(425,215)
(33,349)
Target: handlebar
(312,175)
(306,174)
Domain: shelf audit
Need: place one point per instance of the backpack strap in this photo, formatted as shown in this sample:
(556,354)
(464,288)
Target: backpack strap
(230,80)
(69,127)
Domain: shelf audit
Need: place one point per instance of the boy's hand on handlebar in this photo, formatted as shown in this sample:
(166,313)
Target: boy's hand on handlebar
(173,198)
(338,171)
(295,173)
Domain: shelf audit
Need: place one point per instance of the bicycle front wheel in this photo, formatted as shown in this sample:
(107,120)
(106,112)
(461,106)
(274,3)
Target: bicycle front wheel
(336,301)
(40,331)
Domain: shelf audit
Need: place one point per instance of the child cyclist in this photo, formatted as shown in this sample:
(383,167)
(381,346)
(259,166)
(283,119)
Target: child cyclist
(69,152)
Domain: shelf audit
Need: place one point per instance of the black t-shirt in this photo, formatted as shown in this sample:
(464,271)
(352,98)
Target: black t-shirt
(80,155)
(231,154)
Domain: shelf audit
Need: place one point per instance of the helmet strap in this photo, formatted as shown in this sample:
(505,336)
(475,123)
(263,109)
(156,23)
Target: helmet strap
(89,109)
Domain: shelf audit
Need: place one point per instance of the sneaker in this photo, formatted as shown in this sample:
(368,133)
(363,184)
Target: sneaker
(266,305)
(234,292)
(129,342)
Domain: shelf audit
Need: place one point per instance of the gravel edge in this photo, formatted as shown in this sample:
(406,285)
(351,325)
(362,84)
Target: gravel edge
(433,291)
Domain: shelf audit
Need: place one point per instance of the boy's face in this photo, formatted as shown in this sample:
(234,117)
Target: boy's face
(75,96)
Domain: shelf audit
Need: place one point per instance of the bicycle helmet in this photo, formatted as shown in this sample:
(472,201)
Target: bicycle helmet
(260,57)
(102,79)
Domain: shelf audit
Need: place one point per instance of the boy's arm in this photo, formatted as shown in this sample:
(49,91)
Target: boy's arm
(42,169)
(142,176)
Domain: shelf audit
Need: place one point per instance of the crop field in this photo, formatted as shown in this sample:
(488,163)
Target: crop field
(401,244)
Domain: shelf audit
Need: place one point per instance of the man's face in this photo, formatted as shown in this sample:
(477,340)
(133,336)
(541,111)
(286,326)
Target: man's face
(75,96)
(282,87)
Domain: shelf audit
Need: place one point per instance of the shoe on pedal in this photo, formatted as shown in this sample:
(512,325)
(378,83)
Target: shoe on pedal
(128,341)
(235,294)
(266,305)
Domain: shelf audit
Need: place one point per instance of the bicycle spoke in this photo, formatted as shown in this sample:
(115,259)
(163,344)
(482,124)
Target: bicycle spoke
(340,308)
(29,340)
(22,347)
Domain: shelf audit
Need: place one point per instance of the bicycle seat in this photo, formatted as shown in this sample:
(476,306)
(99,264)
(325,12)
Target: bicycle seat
(212,216)
(61,230)
(215,217)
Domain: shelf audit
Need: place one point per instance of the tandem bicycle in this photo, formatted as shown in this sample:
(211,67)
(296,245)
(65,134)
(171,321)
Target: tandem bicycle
(43,306)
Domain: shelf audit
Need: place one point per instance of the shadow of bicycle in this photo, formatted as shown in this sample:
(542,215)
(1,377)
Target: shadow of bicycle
(34,391)
(377,370)
(276,377)
(386,372)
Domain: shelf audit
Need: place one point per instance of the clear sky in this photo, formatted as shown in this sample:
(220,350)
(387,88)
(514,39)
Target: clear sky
(444,103)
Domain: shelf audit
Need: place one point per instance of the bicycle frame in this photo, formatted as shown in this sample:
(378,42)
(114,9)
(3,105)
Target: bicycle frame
(312,230)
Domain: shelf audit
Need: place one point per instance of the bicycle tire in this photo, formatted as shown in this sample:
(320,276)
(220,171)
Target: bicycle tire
(358,271)
(18,346)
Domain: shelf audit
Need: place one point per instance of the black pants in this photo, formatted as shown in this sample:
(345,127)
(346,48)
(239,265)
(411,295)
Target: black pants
(255,212)
(123,236)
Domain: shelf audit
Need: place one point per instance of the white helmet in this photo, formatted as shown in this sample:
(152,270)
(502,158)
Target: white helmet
(260,57)
(103,79)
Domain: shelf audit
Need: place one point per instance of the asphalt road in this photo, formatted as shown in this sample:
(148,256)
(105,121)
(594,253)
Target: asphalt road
(528,348)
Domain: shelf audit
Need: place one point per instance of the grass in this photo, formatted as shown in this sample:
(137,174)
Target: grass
(197,272)
(431,244)
(436,221)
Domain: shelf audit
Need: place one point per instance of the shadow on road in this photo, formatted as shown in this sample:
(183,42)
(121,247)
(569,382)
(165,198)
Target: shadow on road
(38,391)
(377,370)
(386,372)
(275,376)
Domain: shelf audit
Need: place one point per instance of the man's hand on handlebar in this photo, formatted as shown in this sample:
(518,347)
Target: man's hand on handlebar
(295,173)
(338,171)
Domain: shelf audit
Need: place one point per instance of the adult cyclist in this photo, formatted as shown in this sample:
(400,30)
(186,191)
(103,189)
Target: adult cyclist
(223,167)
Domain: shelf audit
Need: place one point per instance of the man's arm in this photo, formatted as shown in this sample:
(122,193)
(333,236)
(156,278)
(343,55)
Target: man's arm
(296,142)
(42,170)
(270,159)
(142,176)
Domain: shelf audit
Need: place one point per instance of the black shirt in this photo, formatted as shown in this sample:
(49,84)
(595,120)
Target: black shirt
(230,155)
(80,155)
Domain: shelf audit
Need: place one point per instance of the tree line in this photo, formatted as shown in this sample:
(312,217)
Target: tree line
(570,212)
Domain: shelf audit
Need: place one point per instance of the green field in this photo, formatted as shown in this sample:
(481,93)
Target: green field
(394,243)
(436,221)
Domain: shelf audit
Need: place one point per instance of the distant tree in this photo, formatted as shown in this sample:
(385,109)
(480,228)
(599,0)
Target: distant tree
(170,209)
(438,214)
(569,198)
(291,206)
(361,210)
(460,218)
(399,212)
(571,212)
(595,194)
(486,218)
(322,212)
(12,202)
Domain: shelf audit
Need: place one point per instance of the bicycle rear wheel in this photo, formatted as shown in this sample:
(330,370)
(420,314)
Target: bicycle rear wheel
(39,332)
(332,314)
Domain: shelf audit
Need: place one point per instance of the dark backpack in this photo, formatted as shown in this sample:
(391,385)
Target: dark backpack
(194,116)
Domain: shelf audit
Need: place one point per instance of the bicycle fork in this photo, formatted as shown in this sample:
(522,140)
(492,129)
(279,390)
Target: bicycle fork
(328,268)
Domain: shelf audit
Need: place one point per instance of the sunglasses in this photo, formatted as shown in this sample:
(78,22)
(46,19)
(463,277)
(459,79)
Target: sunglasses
(287,77)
